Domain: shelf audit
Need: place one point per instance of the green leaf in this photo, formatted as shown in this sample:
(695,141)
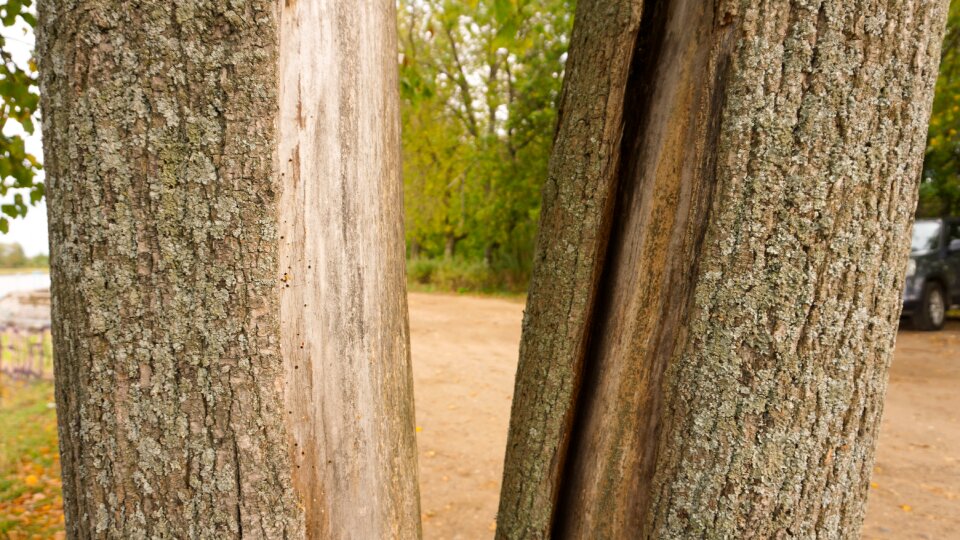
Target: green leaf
(502,9)
(18,90)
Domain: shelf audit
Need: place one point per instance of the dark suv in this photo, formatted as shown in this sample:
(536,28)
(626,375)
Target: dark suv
(933,274)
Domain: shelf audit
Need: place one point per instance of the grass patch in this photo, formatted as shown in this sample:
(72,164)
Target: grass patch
(31,505)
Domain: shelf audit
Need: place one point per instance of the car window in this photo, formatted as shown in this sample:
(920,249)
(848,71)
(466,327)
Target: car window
(955,230)
(953,240)
(926,236)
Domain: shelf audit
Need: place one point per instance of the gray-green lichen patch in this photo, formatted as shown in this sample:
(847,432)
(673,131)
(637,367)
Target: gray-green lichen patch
(775,376)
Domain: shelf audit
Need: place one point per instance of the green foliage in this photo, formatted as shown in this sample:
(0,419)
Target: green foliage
(20,96)
(940,189)
(479,81)
(455,274)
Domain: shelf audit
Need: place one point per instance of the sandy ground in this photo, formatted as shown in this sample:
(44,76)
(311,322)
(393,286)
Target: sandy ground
(464,359)
(916,482)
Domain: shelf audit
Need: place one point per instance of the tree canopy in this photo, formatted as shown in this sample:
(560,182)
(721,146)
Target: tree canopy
(12,256)
(479,82)
(940,189)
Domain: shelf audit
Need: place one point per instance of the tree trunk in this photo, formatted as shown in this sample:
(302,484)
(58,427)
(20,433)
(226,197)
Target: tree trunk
(345,340)
(488,254)
(415,249)
(718,274)
(227,269)
(450,246)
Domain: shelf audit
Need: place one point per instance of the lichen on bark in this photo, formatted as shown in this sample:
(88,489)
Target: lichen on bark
(159,123)
(714,364)
(774,399)
(578,199)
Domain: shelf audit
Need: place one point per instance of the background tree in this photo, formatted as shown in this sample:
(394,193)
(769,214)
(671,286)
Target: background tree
(229,310)
(18,90)
(12,256)
(940,189)
(479,81)
(721,256)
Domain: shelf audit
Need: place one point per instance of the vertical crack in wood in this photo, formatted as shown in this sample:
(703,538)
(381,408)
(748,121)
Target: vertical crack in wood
(577,211)
(672,107)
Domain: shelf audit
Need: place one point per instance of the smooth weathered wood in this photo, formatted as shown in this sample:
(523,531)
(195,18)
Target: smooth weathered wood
(739,333)
(345,342)
(225,224)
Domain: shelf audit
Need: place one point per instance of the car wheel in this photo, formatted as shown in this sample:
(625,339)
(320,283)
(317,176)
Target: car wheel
(932,312)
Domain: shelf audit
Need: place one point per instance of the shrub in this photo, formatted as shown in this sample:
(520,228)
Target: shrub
(461,275)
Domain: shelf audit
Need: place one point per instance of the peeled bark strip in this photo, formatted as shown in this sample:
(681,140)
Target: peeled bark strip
(349,387)
(738,336)
(578,200)
(171,198)
(665,194)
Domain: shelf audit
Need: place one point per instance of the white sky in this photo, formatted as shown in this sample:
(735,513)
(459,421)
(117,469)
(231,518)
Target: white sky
(31,231)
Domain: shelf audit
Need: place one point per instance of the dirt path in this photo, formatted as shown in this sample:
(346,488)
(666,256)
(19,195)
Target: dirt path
(916,483)
(464,359)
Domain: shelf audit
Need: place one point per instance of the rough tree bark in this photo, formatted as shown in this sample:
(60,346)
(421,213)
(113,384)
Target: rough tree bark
(229,304)
(717,282)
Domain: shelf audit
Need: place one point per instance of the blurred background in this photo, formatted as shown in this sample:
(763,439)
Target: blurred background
(479,80)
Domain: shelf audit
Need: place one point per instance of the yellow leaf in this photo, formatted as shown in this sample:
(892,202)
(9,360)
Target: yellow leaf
(419,429)
(31,480)
(906,508)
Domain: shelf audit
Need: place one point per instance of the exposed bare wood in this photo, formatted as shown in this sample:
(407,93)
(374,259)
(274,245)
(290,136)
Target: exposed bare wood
(345,343)
(578,201)
(229,305)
